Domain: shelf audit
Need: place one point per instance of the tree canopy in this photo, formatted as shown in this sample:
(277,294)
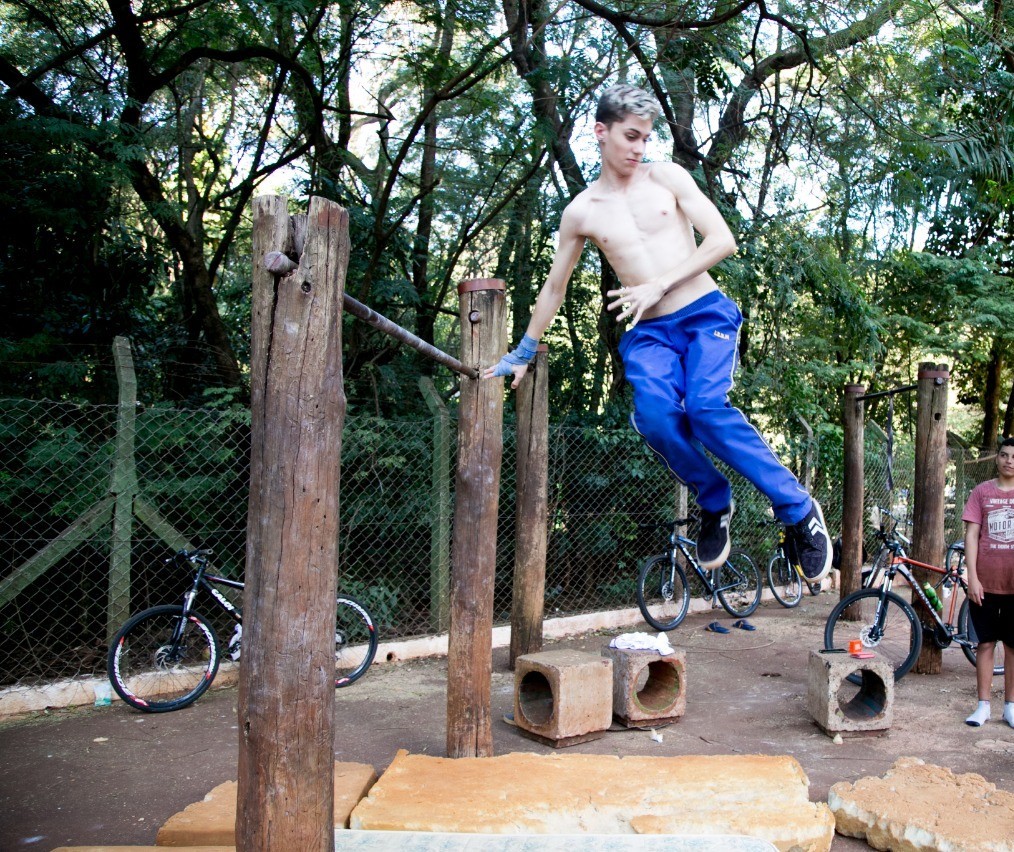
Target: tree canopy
(862,152)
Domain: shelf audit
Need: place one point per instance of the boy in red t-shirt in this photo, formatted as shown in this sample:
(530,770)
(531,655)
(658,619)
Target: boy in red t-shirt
(989,556)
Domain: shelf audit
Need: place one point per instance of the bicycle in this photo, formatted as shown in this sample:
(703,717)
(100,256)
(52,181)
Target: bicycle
(871,575)
(784,577)
(165,657)
(888,623)
(663,595)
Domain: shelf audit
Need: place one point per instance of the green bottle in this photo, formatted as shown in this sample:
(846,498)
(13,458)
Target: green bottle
(931,594)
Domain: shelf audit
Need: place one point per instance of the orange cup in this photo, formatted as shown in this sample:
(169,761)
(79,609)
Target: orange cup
(855,646)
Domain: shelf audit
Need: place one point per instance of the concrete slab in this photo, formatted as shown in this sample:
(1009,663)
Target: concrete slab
(412,841)
(212,821)
(522,793)
(920,806)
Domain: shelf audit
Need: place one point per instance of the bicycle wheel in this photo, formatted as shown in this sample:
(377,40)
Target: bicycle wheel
(662,593)
(896,635)
(355,641)
(739,584)
(784,581)
(965,628)
(159,661)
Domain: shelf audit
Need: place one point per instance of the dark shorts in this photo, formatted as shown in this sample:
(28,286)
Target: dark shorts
(994,620)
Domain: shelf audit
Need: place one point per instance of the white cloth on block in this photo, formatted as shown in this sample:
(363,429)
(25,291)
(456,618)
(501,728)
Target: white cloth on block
(642,642)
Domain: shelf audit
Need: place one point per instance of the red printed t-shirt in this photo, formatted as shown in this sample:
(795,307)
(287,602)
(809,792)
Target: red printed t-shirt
(993,510)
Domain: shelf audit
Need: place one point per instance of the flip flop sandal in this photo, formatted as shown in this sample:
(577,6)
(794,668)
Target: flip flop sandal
(743,624)
(715,627)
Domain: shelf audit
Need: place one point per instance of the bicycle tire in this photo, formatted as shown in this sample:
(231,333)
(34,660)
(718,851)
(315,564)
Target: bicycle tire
(784,581)
(355,641)
(149,674)
(967,629)
(662,587)
(902,633)
(742,598)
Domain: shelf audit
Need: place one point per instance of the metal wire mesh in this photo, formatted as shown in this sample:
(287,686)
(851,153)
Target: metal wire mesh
(61,531)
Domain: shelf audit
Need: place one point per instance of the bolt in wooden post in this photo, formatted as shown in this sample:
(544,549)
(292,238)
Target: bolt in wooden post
(286,688)
(853,490)
(929,484)
(476,499)
(532,400)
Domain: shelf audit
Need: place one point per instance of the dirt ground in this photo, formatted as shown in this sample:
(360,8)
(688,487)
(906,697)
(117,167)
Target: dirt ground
(112,775)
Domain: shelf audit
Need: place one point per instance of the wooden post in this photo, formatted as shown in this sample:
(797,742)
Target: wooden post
(930,480)
(476,498)
(853,491)
(440,503)
(532,400)
(286,688)
(123,486)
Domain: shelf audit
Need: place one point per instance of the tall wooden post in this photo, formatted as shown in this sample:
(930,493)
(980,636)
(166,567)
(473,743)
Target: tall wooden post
(930,480)
(476,498)
(286,688)
(853,490)
(532,400)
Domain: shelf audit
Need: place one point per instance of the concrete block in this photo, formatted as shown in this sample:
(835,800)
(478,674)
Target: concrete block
(212,821)
(648,687)
(563,695)
(762,796)
(917,805)
(838,705)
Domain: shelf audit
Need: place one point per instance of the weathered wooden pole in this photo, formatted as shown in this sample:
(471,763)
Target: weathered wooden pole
(286,687)
(476,498)
(122,484)
(532,401)
(853,490)
(929,484)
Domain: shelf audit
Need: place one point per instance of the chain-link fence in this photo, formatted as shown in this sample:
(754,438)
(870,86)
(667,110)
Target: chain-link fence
(86,533)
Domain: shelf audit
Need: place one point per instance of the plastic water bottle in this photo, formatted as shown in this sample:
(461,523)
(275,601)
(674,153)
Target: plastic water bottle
(947,588)
(103,694)
(931,594)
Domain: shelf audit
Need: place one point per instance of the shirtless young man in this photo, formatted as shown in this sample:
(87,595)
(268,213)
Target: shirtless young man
(680,351)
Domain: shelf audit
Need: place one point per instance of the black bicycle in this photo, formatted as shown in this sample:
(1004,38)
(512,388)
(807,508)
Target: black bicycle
(165,657)
(662,591)
(785,578)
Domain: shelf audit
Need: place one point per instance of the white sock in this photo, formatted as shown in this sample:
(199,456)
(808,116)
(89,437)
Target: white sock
(980,716)
(1008,713)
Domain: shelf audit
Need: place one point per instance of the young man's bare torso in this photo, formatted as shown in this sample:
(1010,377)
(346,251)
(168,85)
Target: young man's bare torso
(643,232)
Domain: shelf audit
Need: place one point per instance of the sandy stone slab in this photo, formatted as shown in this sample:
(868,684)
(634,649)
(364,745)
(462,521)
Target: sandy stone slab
(757,795)
(918,806)
(212,821)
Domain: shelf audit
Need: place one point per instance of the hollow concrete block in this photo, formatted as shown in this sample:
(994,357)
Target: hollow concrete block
(563,696)
(647,686)
(840,706)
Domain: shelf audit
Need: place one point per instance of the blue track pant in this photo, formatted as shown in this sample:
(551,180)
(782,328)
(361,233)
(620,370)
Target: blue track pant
(681,367)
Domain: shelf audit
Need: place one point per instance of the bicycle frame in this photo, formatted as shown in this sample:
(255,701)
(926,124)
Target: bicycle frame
(206,581)
(901,562)
(681,544)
